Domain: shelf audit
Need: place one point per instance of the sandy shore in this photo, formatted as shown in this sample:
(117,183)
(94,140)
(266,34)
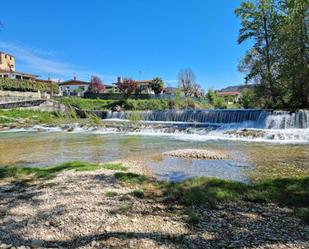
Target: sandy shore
(95,210)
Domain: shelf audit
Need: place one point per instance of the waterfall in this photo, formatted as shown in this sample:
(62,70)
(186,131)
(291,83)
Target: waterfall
(256,117)
(249,118)
(287,120)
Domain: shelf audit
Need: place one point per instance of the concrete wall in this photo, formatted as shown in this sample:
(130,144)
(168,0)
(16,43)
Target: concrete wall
(15,96)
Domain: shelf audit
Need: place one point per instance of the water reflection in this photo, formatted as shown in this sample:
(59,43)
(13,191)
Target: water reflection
(46,148)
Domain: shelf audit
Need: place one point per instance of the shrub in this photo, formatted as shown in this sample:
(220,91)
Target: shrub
(111,194)
(127,87)
(172,104)
(193,218)
(27,86)
(96,85)
(157,85)
(139,193)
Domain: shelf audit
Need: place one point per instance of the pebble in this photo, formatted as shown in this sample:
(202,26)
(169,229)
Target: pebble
(37,243)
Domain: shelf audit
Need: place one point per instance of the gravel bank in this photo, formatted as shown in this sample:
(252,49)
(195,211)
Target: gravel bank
(197,154)
(73,210)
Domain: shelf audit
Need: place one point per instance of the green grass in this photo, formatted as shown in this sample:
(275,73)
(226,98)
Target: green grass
(138,193)
(193,218)
(29,116)
(131,178)
(133,104)
(52,171)
(208,192)
(111,194)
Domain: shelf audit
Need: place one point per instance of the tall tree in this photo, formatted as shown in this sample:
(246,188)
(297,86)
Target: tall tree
(278,60)
(294,70)
(187,83)
(127,86)
(157,85)
(96,85)
(258,20)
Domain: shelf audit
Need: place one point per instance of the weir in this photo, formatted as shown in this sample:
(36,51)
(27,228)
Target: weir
(250,118)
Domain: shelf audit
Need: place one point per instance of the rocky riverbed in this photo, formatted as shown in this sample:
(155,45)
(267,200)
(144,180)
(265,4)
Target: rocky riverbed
(95,210)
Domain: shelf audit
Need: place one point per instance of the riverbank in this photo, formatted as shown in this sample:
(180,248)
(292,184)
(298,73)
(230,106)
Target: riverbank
(120,205)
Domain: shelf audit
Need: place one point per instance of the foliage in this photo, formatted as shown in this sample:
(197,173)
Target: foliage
(51,171)
(247,99)
(278,60)
(138,193)
(127,86)
(86,104)
(157,85)
(193,218)
(208,192)
(27,86)
(187,83)
(214,100)
(219,102)
(131,178)
(134,104)
(111,194)
(96,85)
(134,117)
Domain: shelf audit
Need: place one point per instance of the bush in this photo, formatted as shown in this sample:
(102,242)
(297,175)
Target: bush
(139,193)
(27,86)
(139,104)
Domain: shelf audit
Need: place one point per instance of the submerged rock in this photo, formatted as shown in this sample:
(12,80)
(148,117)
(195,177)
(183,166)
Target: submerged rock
(197,154)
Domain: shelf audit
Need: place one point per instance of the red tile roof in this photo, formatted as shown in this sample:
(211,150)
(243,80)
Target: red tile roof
(74,83)
(228,93)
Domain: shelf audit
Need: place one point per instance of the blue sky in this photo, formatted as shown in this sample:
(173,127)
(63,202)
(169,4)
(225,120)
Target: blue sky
(133,38)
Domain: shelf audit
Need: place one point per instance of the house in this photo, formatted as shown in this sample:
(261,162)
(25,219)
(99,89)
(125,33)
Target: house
(144,86)
(7,69)
(73,87)
(230,97)
(232,94)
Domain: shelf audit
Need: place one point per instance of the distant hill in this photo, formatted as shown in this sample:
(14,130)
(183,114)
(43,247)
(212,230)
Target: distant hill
(238,88)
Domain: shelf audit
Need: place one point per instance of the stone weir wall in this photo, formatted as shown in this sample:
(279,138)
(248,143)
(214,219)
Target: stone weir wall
(15,96)
(38,104)
(27,103)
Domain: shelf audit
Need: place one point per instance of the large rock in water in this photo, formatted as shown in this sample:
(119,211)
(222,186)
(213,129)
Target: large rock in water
(197,154)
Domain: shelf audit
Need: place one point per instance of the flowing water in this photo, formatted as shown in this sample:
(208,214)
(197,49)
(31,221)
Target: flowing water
(260,143)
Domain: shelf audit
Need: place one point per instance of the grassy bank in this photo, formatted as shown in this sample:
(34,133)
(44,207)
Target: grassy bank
(209,192)
(135,104)
(27,117)
(193,194)
(35,173)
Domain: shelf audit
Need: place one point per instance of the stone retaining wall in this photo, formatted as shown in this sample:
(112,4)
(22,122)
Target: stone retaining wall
(16,96)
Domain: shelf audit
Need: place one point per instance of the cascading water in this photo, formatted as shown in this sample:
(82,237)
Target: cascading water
(252,118)
(248,125)
(286,120)
(242,118)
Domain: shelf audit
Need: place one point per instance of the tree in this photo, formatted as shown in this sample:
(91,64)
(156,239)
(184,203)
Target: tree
(257,22)
(157,85)
(96,85)
(294,49)
(247,98)
(278,60)
(211,96)
(187,83)
(127,86)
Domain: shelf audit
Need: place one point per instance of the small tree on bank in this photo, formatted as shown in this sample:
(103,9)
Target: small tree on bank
(187,83)
(96,85)
(127,86)
(247,99)
(157,85)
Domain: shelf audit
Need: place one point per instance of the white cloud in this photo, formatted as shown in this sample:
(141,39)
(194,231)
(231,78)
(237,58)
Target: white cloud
(40,61)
